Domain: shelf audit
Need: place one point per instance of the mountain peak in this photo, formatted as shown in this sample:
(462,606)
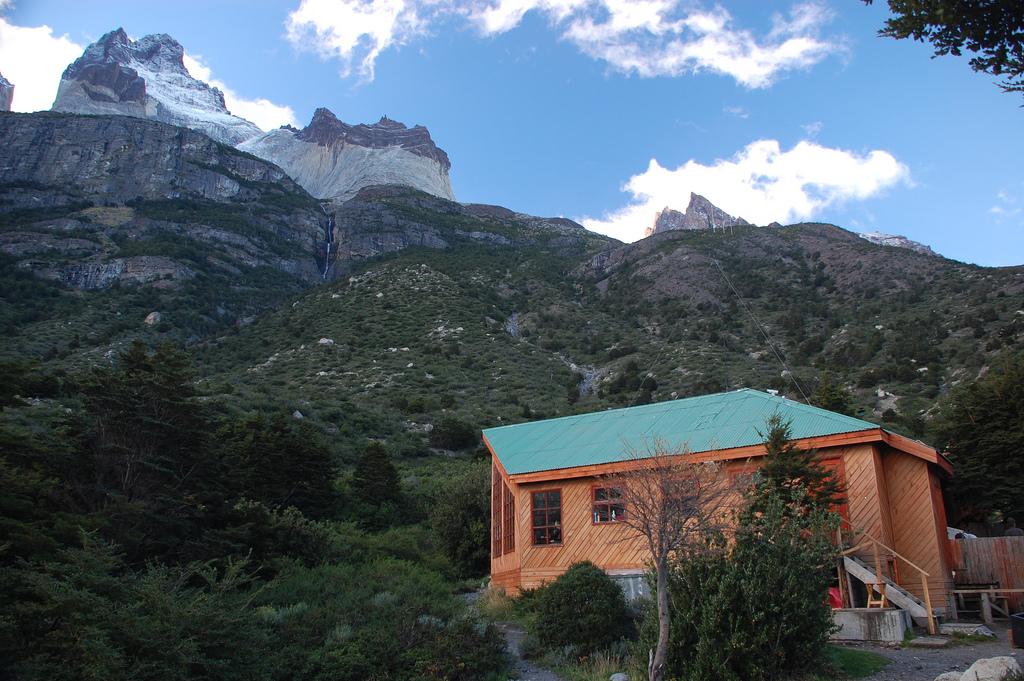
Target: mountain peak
(326,130)
(147,78)
(700,214)
(897,240)
(158,52)
(6,93)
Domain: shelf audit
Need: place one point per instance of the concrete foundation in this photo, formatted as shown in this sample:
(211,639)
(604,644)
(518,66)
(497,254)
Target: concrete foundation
(884,625)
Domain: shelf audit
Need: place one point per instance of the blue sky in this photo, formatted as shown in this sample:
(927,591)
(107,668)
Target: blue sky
(606,111)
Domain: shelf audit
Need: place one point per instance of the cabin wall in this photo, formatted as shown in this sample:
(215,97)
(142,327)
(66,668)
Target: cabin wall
(505,568)
(867,496)
(610,546)
(918,523)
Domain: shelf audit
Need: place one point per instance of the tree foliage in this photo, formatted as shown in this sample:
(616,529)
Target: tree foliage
(674,503)
(279,462)
(833,396)
(982,432)
(991,29)
(148,540)
(459,520)
(756,609)
(793,475)
(375,488)
(582,608)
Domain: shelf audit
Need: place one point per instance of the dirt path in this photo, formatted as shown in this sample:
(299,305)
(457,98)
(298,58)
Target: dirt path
(527,670)
(924,664)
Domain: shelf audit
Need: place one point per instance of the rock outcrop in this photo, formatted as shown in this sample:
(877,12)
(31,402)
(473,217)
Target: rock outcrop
(334,160)
(79,192)
(6,94)
(386,219)
(896,240)
(147,78)
(700,214)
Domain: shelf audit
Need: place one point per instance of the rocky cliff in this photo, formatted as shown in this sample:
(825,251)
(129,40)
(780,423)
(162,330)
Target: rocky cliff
(381,220)
(898,241)
(700,214)
(86,200)
(6,94)
(334,160)
(147,78)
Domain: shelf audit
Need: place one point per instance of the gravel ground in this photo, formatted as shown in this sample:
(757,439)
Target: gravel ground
(924,664)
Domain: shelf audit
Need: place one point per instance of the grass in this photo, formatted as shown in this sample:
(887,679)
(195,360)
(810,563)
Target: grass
(855,664)
(596,667)
(969,639)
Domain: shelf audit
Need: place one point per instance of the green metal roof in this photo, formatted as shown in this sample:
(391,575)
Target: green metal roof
(705,423)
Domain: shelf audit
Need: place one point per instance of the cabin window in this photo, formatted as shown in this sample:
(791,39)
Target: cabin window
(746,479)
(608,505)
(547,517)
(510,520)
(496,504)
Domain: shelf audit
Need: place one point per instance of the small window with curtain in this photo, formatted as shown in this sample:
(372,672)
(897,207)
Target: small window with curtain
(547,517)
(607,505)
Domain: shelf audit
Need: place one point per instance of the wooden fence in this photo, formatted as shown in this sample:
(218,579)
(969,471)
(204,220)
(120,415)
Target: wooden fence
(997,562)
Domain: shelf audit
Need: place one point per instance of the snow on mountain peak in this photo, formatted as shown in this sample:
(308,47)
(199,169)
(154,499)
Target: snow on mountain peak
(147,78)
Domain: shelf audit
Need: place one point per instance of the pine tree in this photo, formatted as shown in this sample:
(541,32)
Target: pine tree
(792,474)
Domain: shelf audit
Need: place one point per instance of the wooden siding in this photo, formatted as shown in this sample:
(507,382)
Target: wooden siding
(990,560)
(889,494)
(505,568)
(918,532)
(610,546)
(866,495)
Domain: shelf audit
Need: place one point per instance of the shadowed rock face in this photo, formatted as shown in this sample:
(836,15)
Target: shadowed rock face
(325,129)
(147,78)
(6,94)
(334,160)
(99,174)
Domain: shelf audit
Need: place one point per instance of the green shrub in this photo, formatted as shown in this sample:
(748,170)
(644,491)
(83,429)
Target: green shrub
(582,608)
(757,611)
(453,433)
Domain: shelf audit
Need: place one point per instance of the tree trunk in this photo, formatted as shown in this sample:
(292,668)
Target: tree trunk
(656,666)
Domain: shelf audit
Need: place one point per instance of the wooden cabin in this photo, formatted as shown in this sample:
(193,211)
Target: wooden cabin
(551,505)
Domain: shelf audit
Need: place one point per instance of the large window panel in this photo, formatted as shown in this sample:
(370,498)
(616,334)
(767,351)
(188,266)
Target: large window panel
(547,517)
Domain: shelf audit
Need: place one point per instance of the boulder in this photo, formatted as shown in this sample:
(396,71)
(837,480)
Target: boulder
(991,669)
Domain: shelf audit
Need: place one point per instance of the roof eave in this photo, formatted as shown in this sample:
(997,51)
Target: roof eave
(895,441)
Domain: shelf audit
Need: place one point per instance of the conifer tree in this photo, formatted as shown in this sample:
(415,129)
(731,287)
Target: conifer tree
(792,474)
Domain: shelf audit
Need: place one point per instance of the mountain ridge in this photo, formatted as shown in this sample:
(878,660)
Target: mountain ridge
(147,78)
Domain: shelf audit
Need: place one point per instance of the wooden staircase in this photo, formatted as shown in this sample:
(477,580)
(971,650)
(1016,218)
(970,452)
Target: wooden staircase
(889,590)
(875,581)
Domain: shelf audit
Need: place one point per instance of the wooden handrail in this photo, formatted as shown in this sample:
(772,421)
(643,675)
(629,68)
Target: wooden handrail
(887,548)
(932,629)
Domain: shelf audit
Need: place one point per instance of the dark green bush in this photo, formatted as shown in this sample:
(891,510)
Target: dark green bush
(582,608)
(757,611)
(453,433)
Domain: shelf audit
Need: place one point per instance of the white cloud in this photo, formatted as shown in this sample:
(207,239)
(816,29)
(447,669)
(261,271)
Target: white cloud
(262,112)
(33,59)
(356,32)
(812,129)
(1005,210)
(736,111)
(646,37)
(761,183)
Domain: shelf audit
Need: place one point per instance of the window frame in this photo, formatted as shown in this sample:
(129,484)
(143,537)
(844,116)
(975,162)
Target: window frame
(608,503)
(496,515)
(508,519)
(550,528)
